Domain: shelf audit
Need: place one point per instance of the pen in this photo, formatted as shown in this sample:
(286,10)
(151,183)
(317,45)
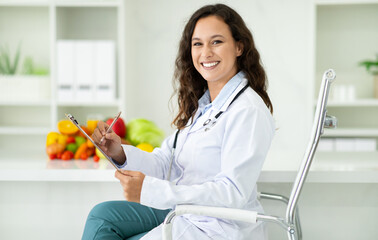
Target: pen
(110,127)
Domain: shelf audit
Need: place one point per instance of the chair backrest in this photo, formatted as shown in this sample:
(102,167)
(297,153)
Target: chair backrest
(321,120)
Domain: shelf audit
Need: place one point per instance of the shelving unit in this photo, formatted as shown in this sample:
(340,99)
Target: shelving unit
(38,25)
(348,28)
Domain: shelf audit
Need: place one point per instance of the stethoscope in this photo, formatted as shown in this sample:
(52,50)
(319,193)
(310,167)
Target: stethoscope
(209,123)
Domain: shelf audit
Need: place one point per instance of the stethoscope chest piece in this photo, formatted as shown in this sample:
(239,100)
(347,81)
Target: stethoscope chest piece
(207,122)
(221,112)
(210,126)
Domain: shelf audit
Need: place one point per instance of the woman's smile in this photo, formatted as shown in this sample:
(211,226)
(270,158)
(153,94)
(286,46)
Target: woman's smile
(210,65)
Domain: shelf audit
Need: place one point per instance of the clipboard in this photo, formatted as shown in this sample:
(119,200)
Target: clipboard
(74,121)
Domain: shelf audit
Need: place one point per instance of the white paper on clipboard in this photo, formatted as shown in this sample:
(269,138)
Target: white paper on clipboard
(74,121)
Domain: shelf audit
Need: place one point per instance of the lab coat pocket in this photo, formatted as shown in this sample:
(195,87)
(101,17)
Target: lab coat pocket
(207,151)
(209,225)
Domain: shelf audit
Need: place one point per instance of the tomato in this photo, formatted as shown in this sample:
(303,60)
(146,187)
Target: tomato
(71,154)
(70,140)
(96,158)
(67,155)
(59,155)
(84,156)
(52,156)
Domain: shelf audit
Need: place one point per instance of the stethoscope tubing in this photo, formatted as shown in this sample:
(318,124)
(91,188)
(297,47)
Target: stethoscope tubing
(172,154)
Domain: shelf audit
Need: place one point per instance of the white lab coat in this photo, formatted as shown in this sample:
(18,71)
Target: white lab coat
(214,167)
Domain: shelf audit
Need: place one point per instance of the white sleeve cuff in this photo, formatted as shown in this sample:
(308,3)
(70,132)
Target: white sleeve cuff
(132,155)
(153,190)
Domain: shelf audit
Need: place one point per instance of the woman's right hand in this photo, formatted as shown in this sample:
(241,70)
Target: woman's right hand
(111,143)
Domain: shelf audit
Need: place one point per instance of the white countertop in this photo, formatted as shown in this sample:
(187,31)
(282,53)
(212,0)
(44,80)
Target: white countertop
(326,168)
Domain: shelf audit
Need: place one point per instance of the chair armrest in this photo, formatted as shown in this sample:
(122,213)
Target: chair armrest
(217,212)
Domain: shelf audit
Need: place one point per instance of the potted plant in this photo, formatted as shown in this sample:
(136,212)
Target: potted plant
(372,68)
(25,84)
(7,66)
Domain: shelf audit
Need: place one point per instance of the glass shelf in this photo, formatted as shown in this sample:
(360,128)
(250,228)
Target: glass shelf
(368,102)
(351,132)
(89,104)
(24,3)
(43,103)
(343,2)
(24,130)
(87,3)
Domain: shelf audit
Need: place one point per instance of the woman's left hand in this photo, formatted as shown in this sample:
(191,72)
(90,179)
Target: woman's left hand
(131,182)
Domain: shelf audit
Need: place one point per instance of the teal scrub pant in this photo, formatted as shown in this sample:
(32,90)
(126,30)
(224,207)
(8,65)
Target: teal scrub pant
(117,220)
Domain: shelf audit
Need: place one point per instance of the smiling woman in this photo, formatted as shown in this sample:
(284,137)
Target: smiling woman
(214,53)
(225,128)
(191,83)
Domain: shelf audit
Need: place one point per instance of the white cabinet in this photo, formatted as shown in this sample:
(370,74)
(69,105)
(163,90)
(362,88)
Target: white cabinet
(346,33)
(37,26)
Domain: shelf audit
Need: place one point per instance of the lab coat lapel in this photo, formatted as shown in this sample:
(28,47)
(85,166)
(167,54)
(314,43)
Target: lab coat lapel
(231,98)
(183,135)
(198,120)
(198,125)
(210,114)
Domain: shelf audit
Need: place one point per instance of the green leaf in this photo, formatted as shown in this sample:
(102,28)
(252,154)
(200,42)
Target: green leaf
(17,58)
(41,71)
(2,68)
(7,62)
(28,66)
(6,65)
(370,65)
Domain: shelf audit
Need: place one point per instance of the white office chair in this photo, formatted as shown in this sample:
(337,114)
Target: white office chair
(290,223)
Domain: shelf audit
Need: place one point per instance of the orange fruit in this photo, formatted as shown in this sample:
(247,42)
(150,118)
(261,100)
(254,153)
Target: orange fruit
(90,144)
(67,127)
(85,130)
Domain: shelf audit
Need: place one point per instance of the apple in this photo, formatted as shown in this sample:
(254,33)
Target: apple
(119,127)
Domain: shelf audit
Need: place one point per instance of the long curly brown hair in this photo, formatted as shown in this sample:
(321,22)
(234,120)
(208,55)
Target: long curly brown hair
(191,85)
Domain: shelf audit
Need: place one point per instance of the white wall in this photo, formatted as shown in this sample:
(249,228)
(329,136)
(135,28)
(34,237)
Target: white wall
(282,34)
(34,43)
(344,38)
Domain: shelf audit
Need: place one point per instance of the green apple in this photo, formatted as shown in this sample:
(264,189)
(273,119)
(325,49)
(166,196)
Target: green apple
(72,147)
(80,140)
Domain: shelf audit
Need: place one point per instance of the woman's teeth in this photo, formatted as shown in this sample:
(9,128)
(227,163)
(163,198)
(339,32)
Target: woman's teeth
(212,64)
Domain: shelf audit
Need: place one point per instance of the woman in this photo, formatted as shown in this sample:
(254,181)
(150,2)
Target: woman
(225,128)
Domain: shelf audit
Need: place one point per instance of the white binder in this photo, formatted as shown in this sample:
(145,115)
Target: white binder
(84,84)
(65,70)
(105,71)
